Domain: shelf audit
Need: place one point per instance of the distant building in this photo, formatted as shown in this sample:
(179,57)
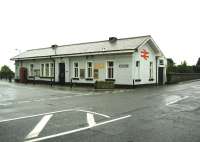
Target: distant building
(127,61)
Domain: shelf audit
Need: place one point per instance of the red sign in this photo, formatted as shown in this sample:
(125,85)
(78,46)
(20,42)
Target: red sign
(144,54)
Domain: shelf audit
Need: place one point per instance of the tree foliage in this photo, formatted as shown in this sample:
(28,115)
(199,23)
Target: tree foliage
(198,63)
(182,68)
(6,72)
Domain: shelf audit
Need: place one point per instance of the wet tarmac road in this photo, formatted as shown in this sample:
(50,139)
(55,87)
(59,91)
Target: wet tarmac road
(151,114)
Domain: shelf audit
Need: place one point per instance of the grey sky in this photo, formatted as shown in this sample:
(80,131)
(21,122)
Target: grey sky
(27,24)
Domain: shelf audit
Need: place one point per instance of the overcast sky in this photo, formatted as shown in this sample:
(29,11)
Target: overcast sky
(27,24)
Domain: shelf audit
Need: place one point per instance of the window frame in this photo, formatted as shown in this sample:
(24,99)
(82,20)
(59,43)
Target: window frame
(31,69)
(47,69)
(137,65)
(42,70)
(51,69)
(107,67)
(151,70)
(78,75)
(87,69)
(161,62)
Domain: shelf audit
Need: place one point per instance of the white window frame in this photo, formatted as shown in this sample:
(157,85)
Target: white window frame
(42,71)
(151,70)
(51,69)
(31,70)
(74,70)
(138,68)
(161,62)
(48,69)
(88,68)
(107,77)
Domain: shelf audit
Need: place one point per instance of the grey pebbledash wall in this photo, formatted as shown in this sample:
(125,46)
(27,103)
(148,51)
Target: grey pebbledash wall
(178,77)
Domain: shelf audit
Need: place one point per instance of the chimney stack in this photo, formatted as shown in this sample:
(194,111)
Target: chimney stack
(112,39)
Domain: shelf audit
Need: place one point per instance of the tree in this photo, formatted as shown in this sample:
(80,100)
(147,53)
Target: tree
(6,72)
(170,65)
(184,68)
(197,67)
(198,63)
(170,62)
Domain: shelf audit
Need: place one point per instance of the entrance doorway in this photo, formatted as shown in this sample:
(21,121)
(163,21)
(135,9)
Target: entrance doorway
(160,75)
(62,73)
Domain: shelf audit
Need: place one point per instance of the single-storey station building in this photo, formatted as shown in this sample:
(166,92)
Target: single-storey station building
(127,61)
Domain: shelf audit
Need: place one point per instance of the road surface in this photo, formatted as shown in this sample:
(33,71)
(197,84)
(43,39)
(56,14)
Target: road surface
(30,113)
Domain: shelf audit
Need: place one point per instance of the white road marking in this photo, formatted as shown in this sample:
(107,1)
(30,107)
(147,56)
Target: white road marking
(93,113)
(77,130)
(30,116)
(39,127)
(53,98)
(90,119)
(177,99)
(53,112)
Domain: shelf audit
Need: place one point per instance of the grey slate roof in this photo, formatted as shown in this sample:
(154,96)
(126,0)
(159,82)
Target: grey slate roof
(121,45)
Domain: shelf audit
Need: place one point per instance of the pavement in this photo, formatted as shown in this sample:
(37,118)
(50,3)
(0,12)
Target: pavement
(31,113)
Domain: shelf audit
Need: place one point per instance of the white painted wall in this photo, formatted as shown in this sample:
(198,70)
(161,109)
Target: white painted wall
(144,65)
(121,75)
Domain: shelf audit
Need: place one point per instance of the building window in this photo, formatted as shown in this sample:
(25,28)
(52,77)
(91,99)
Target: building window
(76,73)
(161,62)
(37,72)
(151,70)
(137,63)
(110,71)
(51,69)
(31,70)
(89,70)
(42,70)
(47,69)
(138,69)
(17,70)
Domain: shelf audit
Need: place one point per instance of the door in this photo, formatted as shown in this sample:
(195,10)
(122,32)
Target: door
(62,73)
(160,75)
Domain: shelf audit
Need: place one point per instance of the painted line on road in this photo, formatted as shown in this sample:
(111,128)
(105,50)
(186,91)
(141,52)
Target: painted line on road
(53,112)
(78,130)
(81,110)
(30,116)
(177,100)
(39,127)
(90,119)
